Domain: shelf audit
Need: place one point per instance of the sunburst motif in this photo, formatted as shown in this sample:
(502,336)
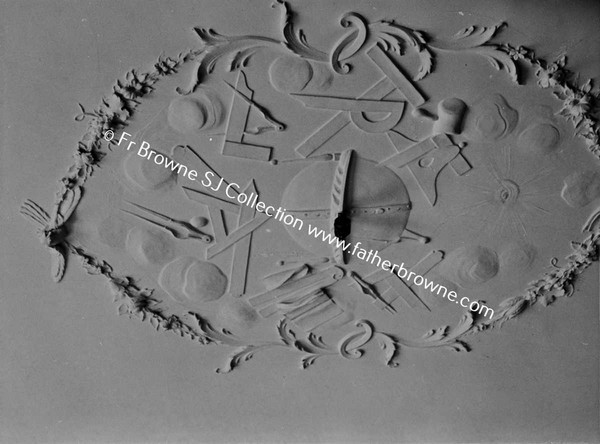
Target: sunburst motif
(511,195)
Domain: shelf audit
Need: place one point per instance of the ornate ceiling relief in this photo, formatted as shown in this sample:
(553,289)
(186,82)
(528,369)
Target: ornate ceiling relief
(364,144)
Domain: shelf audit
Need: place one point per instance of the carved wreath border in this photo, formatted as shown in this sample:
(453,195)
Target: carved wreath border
(579,105)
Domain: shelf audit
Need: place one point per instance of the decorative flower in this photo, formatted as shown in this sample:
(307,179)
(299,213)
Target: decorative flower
(553,75)
(576,104)
(132,90)
(520,53)
(550,77)
(166,66)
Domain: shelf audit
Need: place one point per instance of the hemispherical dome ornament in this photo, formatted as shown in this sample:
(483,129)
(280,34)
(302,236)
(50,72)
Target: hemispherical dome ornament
(376,204)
